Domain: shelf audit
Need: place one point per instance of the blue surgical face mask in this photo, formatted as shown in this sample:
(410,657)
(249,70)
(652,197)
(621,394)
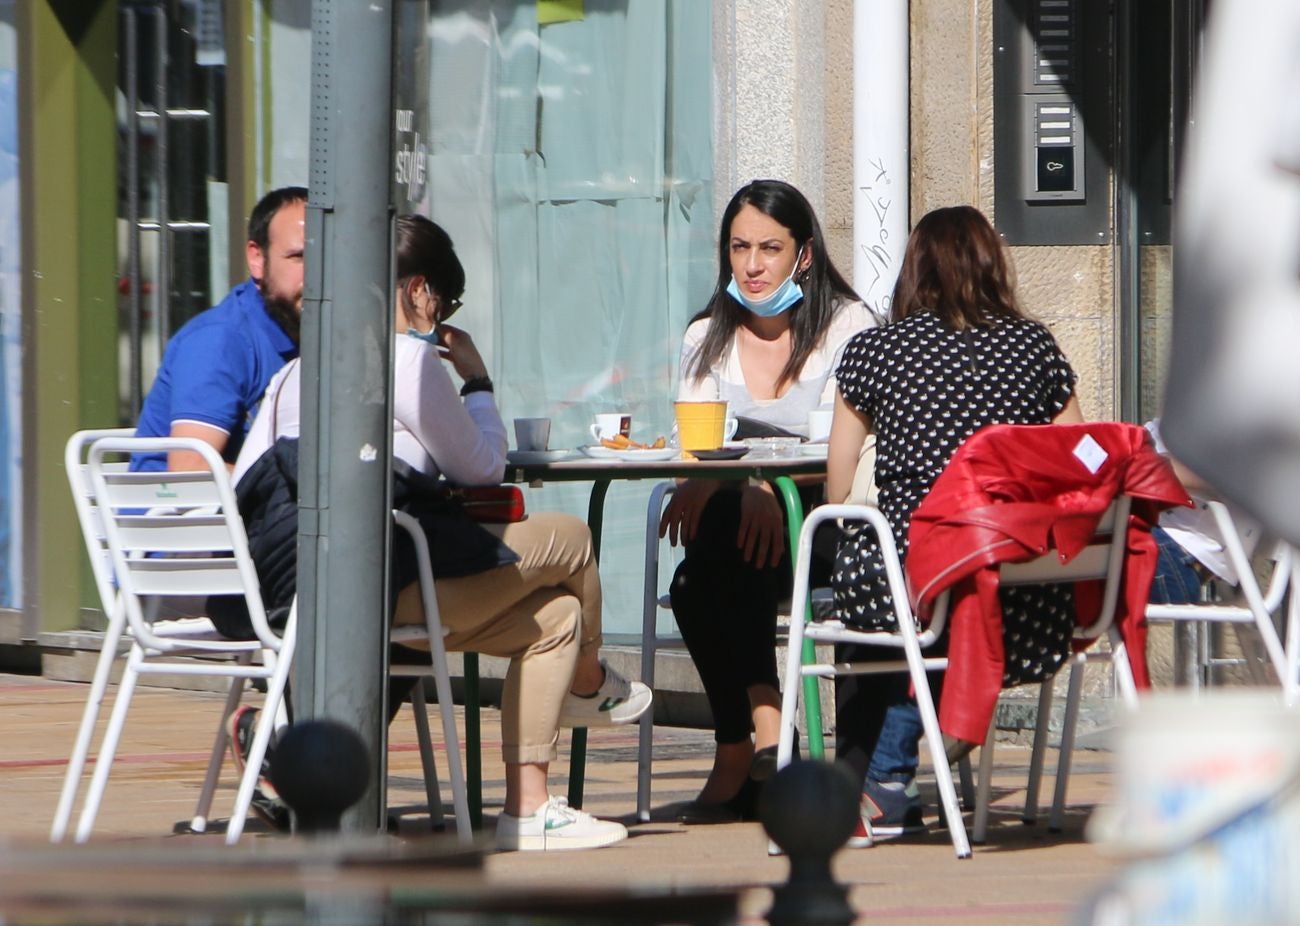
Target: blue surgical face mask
(776,302)
(428,337)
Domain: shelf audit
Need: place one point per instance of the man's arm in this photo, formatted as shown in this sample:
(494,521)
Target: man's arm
(188,460)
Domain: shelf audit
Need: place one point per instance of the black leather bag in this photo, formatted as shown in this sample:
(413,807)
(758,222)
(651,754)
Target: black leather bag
(268,502)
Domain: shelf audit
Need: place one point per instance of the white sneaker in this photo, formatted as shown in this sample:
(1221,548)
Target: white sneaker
(555,826)
(617,701)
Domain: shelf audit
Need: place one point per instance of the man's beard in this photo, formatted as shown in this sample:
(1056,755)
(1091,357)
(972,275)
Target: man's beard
(284,312)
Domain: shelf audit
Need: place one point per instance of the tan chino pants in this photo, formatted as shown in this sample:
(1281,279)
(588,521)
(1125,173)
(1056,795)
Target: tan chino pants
(538,613)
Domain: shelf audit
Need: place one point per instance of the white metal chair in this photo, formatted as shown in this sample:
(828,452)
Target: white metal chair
(1248,607)
(1100,559)
(152,535)
(431,635)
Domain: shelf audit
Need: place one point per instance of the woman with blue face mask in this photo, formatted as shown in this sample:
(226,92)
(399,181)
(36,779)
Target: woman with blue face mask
(767,343)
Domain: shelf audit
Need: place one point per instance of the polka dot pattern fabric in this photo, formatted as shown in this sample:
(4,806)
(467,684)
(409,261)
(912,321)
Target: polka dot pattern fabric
(927,387)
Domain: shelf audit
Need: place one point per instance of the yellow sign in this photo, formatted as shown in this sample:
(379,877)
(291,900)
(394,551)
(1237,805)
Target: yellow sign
(558,11)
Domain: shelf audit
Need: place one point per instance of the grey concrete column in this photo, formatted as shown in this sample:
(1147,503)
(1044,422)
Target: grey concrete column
(344,496)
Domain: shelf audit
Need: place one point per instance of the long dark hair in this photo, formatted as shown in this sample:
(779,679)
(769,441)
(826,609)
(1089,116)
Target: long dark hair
(955,267)
(423,247)
(822,284)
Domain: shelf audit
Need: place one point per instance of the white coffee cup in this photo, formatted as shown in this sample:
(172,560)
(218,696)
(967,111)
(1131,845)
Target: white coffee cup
(609,425)
(532,433)
(819,423)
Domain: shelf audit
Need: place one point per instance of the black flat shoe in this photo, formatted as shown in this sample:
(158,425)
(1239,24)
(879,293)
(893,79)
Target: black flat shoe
(763,765)
(698,813)
(740,807)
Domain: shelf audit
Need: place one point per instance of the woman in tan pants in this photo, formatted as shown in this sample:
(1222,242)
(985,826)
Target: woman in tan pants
(541,611)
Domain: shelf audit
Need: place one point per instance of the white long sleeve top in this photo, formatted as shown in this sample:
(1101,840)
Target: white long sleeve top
(434,430)
(815,387)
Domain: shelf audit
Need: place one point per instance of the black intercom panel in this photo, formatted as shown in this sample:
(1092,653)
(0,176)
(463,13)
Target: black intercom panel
(1052,121)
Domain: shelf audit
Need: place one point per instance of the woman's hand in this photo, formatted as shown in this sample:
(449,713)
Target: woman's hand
(456,345)
(682,516)
(762,529)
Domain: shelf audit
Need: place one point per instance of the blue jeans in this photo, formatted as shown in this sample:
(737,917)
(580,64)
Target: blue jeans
(877,723)
(898,749)
(1176,580)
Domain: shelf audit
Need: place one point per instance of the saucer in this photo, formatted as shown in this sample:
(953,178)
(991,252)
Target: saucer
(598,452)
(818,449)
(722,453)
(534,457)
(649,455)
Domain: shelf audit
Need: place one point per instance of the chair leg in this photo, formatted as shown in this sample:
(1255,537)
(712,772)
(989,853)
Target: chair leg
(107,749)
(199,823)
(1042,726)
(980,830)
(943,776)
(649,644)
(1065,754)
(86,732)
(939,756)
(467,804)
(431,790)
(1122,670)
(646,725)
(267,722)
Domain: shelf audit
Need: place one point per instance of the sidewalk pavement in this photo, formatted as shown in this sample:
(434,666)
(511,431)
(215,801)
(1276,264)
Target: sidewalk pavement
(1024,874)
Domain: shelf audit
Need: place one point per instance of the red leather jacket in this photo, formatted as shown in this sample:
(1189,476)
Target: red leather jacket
(1009,494)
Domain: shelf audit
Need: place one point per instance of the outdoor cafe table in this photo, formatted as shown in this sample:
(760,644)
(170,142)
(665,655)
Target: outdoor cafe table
(600,472)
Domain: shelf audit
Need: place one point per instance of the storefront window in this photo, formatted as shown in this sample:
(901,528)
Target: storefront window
(568,152)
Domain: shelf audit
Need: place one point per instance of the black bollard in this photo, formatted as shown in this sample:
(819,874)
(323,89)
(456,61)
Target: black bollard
(320,768)
(809,809)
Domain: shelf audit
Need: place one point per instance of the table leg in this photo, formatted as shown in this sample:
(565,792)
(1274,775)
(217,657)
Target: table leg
(811,696)
(578,751)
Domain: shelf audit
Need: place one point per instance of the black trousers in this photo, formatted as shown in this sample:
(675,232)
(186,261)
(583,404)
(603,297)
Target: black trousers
(726,611)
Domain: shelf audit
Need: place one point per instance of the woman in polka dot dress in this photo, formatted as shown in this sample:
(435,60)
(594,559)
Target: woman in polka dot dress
(957,355)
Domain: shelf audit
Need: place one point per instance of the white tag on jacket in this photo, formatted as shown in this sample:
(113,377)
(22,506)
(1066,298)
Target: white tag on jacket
(1090,454)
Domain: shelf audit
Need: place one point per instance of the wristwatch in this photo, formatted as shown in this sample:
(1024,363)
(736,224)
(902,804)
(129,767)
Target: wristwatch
(477,384)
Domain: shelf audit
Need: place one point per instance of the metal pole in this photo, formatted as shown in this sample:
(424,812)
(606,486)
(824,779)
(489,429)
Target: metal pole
(131,65)
(344,495)
(162,174)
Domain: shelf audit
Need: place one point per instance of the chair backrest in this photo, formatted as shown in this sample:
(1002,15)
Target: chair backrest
(87,508)
(1279,552)
(1102,558)
(173,533)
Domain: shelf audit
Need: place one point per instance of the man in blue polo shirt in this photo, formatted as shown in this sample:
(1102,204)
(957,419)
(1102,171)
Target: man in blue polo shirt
(216,367)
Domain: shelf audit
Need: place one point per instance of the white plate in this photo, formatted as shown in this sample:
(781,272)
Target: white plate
(597,452)
(646,456)
(533,457)
(814,450)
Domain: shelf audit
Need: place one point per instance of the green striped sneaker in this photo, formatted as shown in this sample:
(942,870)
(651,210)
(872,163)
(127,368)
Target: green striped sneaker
(556,826)
(617,701)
